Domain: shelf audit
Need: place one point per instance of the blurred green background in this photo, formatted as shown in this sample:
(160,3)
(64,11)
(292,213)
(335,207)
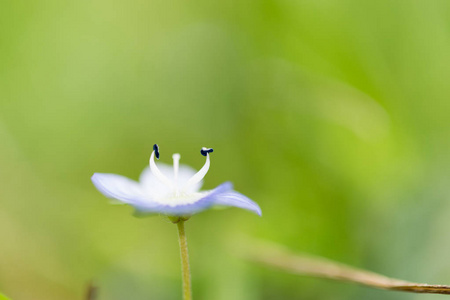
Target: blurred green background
(332,115)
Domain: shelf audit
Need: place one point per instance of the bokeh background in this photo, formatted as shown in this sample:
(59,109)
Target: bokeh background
(332,115)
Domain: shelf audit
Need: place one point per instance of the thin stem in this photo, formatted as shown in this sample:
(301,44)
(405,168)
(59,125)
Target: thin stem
(307,265)
(187,293)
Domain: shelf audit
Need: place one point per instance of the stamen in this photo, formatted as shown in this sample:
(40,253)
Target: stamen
(156,172)
(156,149)
(200,174)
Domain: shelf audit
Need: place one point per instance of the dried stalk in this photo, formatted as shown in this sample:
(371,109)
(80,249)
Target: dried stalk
(91,291)
(307,265)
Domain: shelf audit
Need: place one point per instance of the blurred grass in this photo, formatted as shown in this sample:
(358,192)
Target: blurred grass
(332,115)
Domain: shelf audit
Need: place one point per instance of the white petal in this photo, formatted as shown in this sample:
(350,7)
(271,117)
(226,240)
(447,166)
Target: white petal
(237,200)
(120,188)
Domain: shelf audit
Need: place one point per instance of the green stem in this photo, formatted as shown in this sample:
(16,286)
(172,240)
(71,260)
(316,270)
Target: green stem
(187,293)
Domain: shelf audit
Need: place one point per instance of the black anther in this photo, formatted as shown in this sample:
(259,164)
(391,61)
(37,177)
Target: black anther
(156,149)
(204,151)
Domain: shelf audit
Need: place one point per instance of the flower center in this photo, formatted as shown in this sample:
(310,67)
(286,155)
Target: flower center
(174,184)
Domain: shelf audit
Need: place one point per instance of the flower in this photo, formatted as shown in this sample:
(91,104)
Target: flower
(171,191)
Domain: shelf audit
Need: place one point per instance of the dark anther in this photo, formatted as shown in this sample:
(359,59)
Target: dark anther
(156,149)
(204,151)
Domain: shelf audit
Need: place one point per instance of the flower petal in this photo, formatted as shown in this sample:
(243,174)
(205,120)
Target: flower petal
(237,200)
(185,209)
(120,188)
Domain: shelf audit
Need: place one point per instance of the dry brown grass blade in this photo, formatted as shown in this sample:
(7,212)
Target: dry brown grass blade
(308,265)
(91,292)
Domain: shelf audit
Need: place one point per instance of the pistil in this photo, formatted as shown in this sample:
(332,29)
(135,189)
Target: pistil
(176,162)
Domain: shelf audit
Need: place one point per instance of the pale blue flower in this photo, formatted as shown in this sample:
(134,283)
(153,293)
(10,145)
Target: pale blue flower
(171,191)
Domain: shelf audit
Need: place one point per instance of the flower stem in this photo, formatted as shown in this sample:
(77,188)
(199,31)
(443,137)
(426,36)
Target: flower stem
(186,273)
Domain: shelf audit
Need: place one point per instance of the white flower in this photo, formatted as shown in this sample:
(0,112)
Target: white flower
(171,191)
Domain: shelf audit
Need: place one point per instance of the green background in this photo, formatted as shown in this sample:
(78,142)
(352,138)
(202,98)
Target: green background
(332,115)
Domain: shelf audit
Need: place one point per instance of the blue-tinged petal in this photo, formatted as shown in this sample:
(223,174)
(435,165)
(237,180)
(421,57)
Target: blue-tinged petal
(120,188)
(188,208)
(237,200)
